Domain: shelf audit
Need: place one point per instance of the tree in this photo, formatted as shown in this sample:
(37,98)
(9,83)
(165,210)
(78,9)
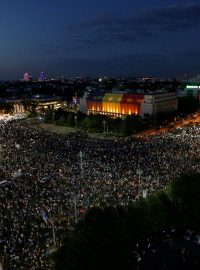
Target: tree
(185,194)
(62,120)
(115,124)
(134,123)
(85,123)
(93,123)
(187,105)
(48,116)
(161,211)
(58,113)
(6,107)
(30,106)
(70,119)
(99,242)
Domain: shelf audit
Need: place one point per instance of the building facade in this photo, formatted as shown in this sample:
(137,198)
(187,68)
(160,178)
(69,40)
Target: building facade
(42,104)
(121,105)
(192,90)
(155,103)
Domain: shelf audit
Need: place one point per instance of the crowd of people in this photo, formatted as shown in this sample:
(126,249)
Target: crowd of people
(49,180)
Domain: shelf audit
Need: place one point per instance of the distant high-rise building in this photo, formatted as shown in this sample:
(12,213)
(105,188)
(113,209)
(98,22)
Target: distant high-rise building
(26,77)
(42,76)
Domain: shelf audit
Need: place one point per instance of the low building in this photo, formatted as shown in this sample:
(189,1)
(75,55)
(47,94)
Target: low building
(42,103)
(192,90)
(53,103)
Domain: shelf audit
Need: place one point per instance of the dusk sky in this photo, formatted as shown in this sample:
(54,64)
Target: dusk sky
(99,37)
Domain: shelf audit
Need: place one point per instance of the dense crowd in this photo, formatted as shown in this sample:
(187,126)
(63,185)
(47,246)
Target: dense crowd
(52,179)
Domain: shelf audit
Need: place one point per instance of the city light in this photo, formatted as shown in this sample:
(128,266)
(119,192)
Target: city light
(26,77)
(193,87)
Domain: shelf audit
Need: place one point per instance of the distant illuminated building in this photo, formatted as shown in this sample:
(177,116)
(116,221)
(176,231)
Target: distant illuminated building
(26,77)
(42,76)
(192,90)
(75,99)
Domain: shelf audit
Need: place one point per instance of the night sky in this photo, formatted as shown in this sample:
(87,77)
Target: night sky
(99,37)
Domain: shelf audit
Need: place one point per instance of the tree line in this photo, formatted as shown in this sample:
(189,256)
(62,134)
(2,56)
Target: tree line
(99,123)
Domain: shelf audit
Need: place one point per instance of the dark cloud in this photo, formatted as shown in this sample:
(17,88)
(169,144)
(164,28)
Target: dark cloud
(173,17)
(193,54)
(48,48)
(119,65)
(145,23)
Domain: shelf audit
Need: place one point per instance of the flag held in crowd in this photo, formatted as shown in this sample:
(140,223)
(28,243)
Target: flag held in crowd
(17,146)
(16,174)
(45,216)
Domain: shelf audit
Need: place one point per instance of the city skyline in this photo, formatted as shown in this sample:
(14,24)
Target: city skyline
(76,38)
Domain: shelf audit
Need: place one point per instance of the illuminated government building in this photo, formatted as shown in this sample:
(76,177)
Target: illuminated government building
(122,105)
(42,104)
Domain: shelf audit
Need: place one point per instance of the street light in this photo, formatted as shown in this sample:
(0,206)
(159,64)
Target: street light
(75,118)
(76,196)
(53,114)
(75,210)
(139,172)
(81,162)
(47,219)
(53,232)
(104,126)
